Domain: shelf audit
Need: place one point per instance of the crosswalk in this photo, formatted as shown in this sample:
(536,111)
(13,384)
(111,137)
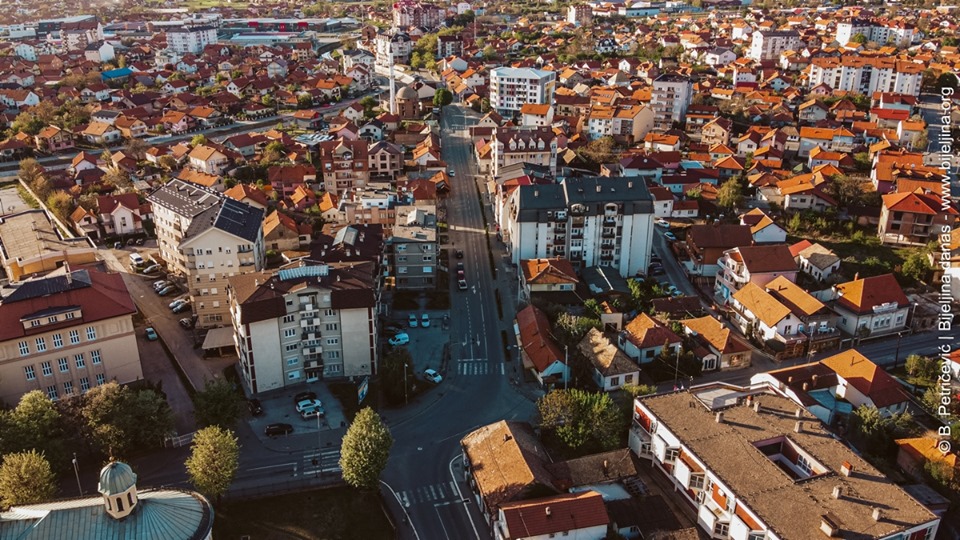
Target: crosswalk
(479,366)
(323,462)
(437,494)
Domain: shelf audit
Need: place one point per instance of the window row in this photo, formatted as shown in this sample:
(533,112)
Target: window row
(63,365)
(57,340)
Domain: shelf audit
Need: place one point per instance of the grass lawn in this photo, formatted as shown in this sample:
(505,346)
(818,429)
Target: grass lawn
(341,513)
(867,259)
(204,4)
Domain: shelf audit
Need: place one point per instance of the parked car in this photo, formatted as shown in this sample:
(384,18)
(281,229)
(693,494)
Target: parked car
(308,404)
(459,267)
(117,245)
(400,339)
(458,253)
(186,323)
(178,301)
(658,271)
(167,290)
(151,333)
(152,269)
(432,376)
(670,236)
(160,283)
(413,320)
(139,241)
(255,408)
(393,329)
(425,320)
(451,172)
(182,307)
(278,429)
(314,412)
(662,223)
(302,396)
(136,260)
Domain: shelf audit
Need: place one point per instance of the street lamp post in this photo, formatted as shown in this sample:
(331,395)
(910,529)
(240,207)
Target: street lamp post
(676,370)
(896,354)
(566,369)
(405,383)
(76,471)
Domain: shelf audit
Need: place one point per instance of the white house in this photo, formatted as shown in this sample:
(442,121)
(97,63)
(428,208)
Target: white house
(612,368)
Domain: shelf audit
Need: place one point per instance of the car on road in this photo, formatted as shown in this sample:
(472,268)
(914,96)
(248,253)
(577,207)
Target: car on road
(255,407)
(670,236)
(302,396)
(151,333)
(153,268)
(452,173)
(278,429)
(459,267)
(117,245)
(432,376)
(400,339)
(412,320)
(662,223)
(182,307)
(186,323)
(178,301)
(308,404)
(167,290)
(458,253)
(136,260)
(462,284)
(425,320)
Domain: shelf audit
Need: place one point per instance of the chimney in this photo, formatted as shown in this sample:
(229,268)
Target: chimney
(790,379)
(798,427)
(606,466)
(630,184)
(506,437)
(599,187)
(719,417)
(813,379)
(547,510)
(846,469)
(798,413)
(756,406)
(806,386)
(856,276)
(827,526)
(256,282)
(837,492)
(536,193)
(877,514)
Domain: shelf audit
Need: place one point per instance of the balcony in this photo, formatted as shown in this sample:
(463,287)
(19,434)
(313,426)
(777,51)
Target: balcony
(821,334)
(608,233)
(560,230)
(609,222)
(313,364)
(578,235)
(309,336)
(313,350)
(309,322)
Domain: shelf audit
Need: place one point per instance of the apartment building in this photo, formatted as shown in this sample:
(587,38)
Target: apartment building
(304,324)
(592,221)
(866,74)
(914,218)
(579,14)
(386,159)
(896,33)
(75,35)
(375,204)
(671,97)
(411,253)
(392,47)
(512,145)
(769,44)
(190,39)
(753,264)
(344,165)
(205,238)
(407,13)
(65,334)
(512,88)
(755,465)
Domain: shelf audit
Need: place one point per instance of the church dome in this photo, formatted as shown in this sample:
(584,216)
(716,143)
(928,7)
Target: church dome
(116,478)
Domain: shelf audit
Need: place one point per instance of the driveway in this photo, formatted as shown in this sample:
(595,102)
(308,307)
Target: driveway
(158,367)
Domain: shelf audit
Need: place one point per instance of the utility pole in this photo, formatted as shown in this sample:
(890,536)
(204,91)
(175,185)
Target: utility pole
(566,361)
(76,471)
(405,383)
(896,354)
(676,370)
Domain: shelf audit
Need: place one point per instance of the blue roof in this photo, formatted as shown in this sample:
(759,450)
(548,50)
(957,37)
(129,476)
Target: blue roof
(687,165)
(826,398)
(115,478)
(303,271)
(116,73)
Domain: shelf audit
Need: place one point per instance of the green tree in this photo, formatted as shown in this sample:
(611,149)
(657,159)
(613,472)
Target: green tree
(304,101)
(218,404)
(570,329)
(197,140)
(273,152)
(167,162)
(730,194)
(873,431)
(639,390)
(922,368)
(916,266)
(29,171)
(583,421)
(858,38)
(845,189)
(600,151)
(34,424)
(268,101)
(26,478)
(213,461)
(442,97)
(369,104)
(61,204)
(115,416)
(136,148)
(396,377)
(862,161)
(365,450)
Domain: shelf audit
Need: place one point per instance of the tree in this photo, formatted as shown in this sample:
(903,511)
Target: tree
(369,104)
(730,194)
(600,151)
(845,189)
(213,460)
(442,97)
(34,424)
(29,171)
(395,376)
(61,204)
(584,421)
(570,329)
(876,432)
(26,478)
(115,415)
(365,450)
(218,404)
(638,390)
(268,101)
(114,176)
(859,38)
(862,161)
(275,151)
(916,266)
(136,148)
(167,162)
(197,140)
(304,101)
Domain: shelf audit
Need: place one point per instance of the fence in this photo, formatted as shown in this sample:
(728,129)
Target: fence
(293,485)
(177,441)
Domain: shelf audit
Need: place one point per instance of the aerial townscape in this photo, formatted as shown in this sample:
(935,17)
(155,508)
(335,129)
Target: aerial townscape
(425,270)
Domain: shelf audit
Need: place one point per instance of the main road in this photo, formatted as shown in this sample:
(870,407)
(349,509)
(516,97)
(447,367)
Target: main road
(424,470)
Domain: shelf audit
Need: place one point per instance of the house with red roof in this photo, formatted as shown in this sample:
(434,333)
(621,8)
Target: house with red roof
(574,515)
(546,276)
(120,214)
(871,306)
(644,338)
(914,217)
(539,352)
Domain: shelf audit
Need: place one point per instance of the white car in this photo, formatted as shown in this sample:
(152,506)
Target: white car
(662,223)
(432,376)
(309,404)
(412,320)
(151,269)
(178,302)
(452,173)
(312,412)
(425,320)
(400,339)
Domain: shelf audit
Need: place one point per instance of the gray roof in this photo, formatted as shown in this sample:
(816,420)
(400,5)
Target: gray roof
(184,198)
(160,515)
(115,478)
(240,219)
(592,192)
(47,286)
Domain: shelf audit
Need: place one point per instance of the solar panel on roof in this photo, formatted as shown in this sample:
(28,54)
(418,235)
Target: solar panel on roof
(302,272)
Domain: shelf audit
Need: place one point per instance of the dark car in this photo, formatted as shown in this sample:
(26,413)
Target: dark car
(278,429)
(459,253)
(304,395)
(255,408)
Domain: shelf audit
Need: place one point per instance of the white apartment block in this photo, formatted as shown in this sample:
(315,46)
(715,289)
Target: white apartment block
(397,44)
(769,44)
(671,98)
(205,238)
(512,88)
(595,221)
(866,75)
(304,324)
(65,334)
(897,34)
(190,39)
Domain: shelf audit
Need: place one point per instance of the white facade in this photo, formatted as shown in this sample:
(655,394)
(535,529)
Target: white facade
(867,75)
(767,45)
(210,258)
(900,36)
(512,88)
(190,39)
(671,97)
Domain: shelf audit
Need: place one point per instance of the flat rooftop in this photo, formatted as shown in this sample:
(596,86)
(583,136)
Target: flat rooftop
(792,508)
(31,234)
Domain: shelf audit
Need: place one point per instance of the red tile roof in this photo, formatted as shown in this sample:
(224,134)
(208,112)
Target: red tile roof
(557,514)
(535,338)
(861,295)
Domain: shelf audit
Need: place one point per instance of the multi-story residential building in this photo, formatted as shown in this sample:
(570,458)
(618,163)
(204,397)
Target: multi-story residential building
(75,35)
(374,204)
(594,221)
(407,13)
(706,244)
(870,306)
(671,97)
(769,44)
(753,264)
(512,145)
(344,165)
(512,88)
(390,48)
(304,324)
(30,244)
(579,14)
(386,160)
(205,238)
(866,74)
(897,33)
(411,259)
(190,39)
(65,334)
(914,218)
(755,465)
(449,46)
(208,159)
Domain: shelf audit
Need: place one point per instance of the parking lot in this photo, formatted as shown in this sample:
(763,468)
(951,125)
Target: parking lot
(426,345)
(279,407)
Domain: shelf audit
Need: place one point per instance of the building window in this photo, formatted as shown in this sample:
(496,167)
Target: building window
(293,375)
(74,337)
(289,318)
(101,378)
(671,455)
(721,529)
(24,348)
(95,357)
(91,333)
(63,365)
(57,341)
(332,327)
(47,369)
(69,316)
(79,361)
(52,392)
(293,361)
(291,348)
(41,344)
(84,384)
(333,341)
(696,481)
(333,354)
(30,373)
(289,332)
(614,381)
(68,388)
(35,323)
